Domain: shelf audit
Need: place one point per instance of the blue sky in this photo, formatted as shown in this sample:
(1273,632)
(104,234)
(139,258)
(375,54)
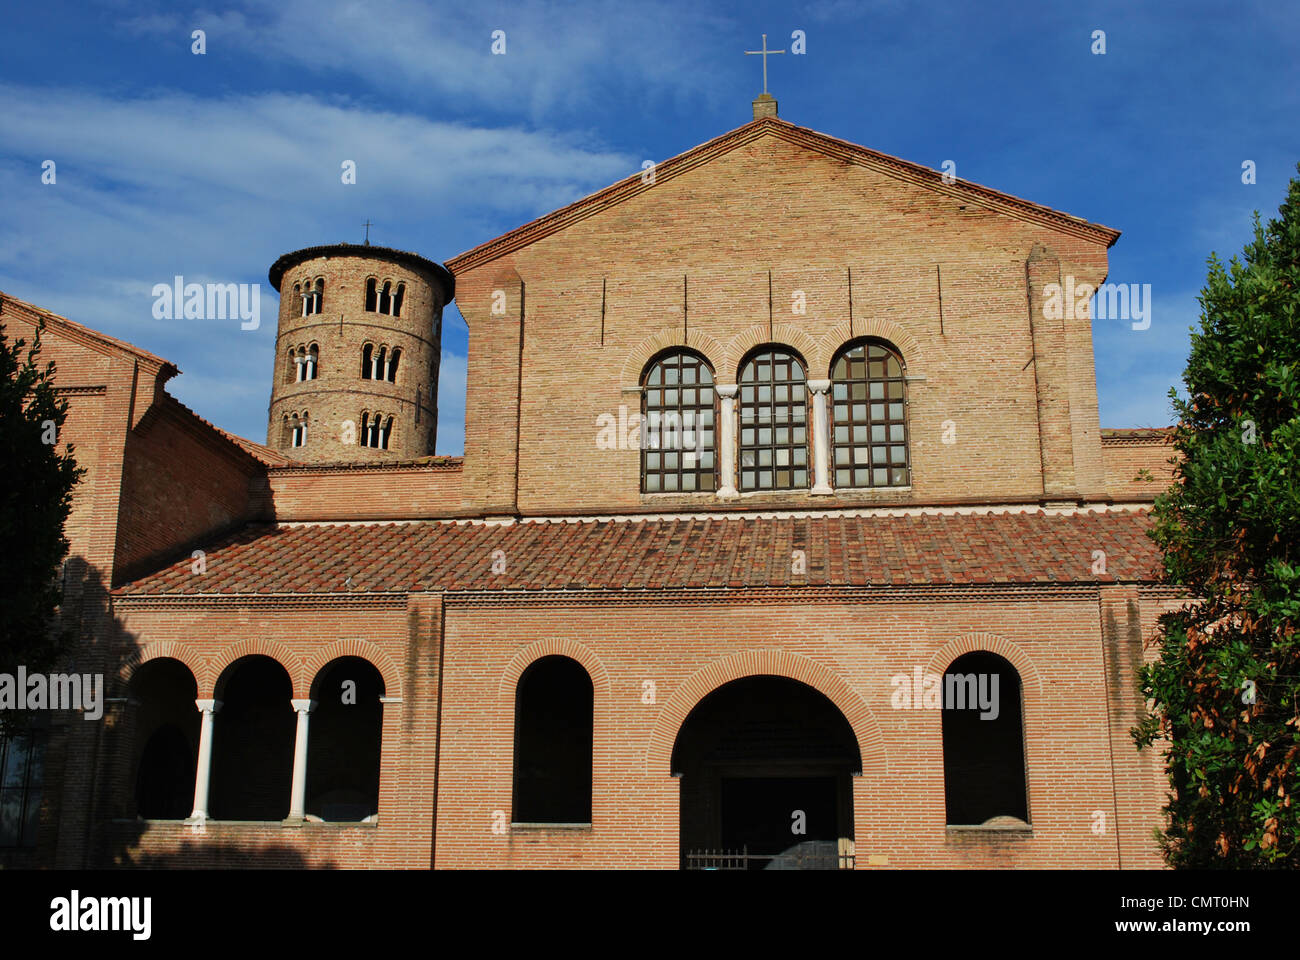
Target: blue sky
(212,166)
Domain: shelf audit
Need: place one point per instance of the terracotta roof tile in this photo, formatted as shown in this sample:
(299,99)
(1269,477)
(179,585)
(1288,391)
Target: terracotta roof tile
(669,554)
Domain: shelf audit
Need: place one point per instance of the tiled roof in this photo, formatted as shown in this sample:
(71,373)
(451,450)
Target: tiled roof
(1019,548)
(1136,433)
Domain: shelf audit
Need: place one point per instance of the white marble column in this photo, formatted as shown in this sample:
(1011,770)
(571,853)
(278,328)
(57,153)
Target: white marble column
(726,435)
(298,795)
(821,437)
(202,775)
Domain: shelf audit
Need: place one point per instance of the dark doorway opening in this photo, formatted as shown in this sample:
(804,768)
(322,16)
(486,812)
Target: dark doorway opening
(766,766)
(252,743)
(344,741)
(166,739)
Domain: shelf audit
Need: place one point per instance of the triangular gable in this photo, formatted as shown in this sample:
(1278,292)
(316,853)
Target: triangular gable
(773,126)
(99,342)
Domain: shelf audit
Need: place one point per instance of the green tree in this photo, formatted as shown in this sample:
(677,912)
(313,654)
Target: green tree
(1226,688)
(36,484)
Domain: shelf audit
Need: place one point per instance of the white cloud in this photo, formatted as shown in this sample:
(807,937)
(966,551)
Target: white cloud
(214,190)
(559,55)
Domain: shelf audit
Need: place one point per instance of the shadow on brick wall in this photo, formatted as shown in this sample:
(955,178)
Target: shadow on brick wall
(89,803)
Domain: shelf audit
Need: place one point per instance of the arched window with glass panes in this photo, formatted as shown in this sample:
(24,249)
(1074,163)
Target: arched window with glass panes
(680,418)
(869,417)
(774,432)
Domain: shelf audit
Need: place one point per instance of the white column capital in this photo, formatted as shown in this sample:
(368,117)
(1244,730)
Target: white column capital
(303,706)
(726,390)
(208,706)
(819,386)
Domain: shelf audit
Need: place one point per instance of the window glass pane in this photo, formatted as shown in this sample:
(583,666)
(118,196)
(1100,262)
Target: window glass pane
(11,802)
(33,817)
(15,762)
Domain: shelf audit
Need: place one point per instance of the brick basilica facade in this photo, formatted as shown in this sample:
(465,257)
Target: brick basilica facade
(785,535)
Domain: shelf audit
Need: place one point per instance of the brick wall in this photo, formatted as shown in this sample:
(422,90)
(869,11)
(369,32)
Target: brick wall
(1068,644)
(688,261)
(182,483)
(368,492)
(1125,457)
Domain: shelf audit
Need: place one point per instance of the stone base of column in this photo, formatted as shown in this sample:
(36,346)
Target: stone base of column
(293,821)
(728,493)
(822,490)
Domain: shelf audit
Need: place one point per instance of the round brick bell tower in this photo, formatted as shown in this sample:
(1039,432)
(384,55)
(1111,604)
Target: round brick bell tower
(357,353)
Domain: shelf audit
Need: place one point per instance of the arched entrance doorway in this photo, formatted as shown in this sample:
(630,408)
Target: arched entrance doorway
(765,764)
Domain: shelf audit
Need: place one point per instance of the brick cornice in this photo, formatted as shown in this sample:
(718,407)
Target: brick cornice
(767,596)
(744,596)
(262,601)
(156,366)
(450,464)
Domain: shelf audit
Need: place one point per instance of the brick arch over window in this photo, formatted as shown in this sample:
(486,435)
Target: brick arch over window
(363,650)
(547,648)
(1030,683)
(214,668)
(781,334)
(777,663)
(645,351)
(888,330)
(157,650)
